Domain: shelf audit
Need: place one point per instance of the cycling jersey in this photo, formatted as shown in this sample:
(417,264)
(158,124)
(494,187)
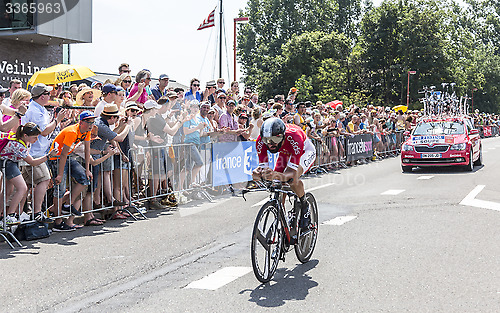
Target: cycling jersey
(295,150)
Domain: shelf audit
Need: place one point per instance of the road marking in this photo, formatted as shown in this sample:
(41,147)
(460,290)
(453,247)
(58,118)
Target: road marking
(392,192)
(339,220)
(491,148)
(425,177)
(319,187)
(260,203)
(220,278)
(186,211)
(470,200)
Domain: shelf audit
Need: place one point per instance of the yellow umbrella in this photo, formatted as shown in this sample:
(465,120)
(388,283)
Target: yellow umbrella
(60,73)
(401,107)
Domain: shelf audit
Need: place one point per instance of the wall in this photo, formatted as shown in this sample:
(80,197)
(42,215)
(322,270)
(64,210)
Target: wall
(20,59)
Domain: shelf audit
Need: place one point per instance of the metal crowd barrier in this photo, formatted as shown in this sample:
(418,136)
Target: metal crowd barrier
(152,173)
(331,151)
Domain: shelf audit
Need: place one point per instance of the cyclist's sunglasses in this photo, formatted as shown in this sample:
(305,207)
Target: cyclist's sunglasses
(272,140)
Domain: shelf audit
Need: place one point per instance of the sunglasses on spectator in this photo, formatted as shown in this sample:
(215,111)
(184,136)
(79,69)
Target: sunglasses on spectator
(222,97)
(127,81)
(34,129)
(46,93)
(126,71)
(221,83)
(89,121)
(272,140)
(134,110)
(196,85)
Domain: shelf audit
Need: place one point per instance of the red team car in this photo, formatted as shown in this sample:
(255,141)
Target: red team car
(449,141)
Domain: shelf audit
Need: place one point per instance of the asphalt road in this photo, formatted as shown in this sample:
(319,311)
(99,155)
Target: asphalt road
(409,246)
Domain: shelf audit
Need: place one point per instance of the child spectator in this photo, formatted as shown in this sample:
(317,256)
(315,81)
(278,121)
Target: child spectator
(15,150)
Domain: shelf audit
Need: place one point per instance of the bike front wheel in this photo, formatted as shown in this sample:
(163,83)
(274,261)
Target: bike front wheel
(307,240)
(267,242)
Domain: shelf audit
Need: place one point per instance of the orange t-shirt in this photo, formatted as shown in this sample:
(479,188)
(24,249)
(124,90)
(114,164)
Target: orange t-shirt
(71,137)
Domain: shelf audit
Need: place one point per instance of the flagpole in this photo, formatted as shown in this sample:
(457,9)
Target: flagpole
(220,40)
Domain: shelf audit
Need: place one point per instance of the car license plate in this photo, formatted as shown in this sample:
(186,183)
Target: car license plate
(430,155)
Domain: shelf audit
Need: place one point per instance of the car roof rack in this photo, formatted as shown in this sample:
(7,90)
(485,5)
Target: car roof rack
(443,104)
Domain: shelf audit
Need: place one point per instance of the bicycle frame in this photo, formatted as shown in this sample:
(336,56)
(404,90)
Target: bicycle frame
(278,197)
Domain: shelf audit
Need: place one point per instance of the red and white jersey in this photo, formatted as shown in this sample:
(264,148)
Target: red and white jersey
(290,152)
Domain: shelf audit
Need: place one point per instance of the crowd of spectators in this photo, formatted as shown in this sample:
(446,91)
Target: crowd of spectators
(110,136)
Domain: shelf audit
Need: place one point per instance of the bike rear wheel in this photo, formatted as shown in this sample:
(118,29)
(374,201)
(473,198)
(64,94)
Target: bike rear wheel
(307,241)
(267,242)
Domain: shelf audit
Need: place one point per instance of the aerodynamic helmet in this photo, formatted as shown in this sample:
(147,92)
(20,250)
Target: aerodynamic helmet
(272,131)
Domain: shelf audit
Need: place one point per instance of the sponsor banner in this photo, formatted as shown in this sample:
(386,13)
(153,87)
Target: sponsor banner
(359,147)
(233,162)
(431,139)
(487,131)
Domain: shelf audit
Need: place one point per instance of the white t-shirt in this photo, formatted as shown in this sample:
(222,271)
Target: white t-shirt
(99,108)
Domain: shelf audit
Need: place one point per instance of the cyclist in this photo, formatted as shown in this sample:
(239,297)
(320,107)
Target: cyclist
(296,156)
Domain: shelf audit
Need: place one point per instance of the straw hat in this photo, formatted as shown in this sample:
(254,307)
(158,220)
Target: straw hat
(79,96)
(111,110)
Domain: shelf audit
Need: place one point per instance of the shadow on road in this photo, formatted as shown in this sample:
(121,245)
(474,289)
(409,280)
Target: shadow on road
(286,285)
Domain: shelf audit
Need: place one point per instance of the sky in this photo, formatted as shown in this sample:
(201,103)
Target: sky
(159,35)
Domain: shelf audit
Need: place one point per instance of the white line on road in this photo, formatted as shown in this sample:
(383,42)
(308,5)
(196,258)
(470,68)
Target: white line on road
(260,202)
(339,220)
(425,177)
(471,201)
(186,211)
(392,192)
(491,148)
(220,278)
(319,187)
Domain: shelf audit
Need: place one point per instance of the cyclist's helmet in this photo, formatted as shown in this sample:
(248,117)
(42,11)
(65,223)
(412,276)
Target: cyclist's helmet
(272,133)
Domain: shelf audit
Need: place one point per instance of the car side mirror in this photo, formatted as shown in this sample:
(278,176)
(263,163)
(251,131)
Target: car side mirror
(474,131)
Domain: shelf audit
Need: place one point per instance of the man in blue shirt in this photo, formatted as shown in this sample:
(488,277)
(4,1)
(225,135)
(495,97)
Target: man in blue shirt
(160,89)
(193,129)
(38,114)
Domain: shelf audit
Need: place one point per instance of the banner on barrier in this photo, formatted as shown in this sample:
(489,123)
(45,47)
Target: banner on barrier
(233,162)
(359,147)
(487,131)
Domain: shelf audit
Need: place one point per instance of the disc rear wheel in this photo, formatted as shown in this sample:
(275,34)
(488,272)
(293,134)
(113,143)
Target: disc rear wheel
(307,240)
(267,242)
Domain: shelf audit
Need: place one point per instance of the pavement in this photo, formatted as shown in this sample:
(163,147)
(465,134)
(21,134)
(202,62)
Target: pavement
(389,241)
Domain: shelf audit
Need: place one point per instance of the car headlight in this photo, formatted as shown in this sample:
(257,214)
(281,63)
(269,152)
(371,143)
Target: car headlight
(458,146)
(407,147)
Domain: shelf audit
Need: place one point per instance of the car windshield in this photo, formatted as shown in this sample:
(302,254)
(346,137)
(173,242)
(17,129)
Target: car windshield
(439,128)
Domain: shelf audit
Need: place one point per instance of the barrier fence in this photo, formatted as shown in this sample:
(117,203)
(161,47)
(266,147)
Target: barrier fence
(161,176)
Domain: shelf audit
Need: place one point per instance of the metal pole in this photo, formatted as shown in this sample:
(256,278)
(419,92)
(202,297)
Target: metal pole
(234,50)
(408,91)
(220,40)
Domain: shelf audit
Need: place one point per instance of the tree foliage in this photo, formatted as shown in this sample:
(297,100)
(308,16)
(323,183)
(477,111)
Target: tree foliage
(359,53)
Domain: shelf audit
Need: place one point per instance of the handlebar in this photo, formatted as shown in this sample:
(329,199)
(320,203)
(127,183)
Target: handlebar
(270,186)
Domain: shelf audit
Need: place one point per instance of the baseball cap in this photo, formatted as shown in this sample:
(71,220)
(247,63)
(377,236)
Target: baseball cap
(171,94)
(220,94)
(243,115)
(86,115)
(206,103)
(2,89)
(163,76)
(151,104)
(211,83)
(95,83)
(39,89)
(109,88)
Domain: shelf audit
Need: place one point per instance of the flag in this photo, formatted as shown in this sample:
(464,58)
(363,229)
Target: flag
(209,22)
